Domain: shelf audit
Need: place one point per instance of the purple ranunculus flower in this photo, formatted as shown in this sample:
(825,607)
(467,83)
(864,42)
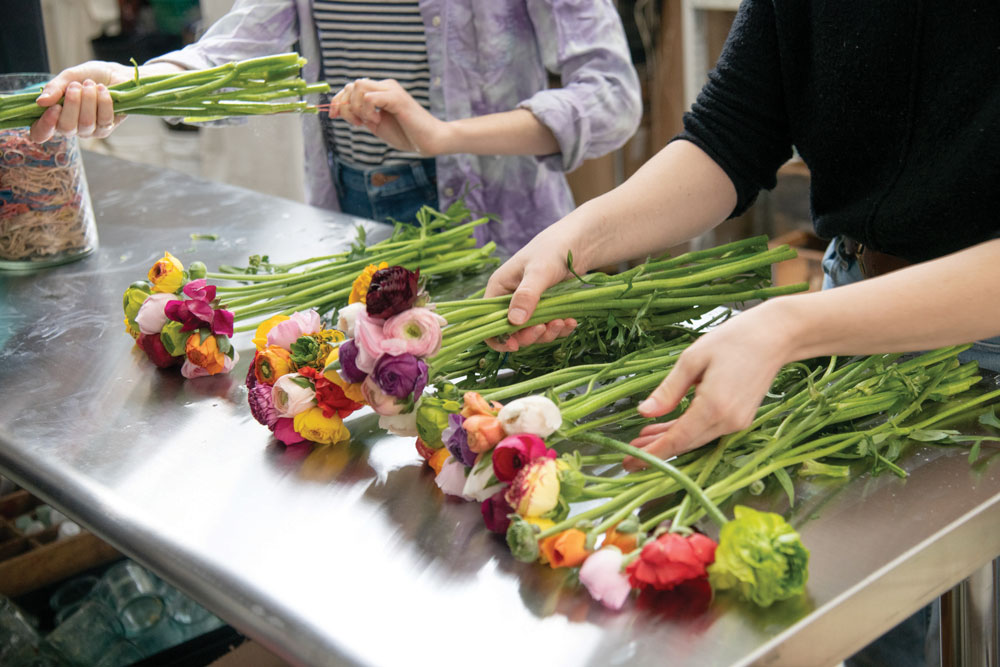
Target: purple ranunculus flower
(392,290)
(401,375)
(262,405)
(495,511)
(348,369)
(457,440)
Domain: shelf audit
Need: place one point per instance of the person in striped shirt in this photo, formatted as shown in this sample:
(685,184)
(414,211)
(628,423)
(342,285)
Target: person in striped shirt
(435,100)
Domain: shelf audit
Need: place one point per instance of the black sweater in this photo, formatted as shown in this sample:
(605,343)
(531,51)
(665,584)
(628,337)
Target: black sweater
(893,104)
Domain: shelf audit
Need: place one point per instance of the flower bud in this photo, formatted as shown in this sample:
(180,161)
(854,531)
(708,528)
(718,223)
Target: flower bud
(522,540)
(197,270)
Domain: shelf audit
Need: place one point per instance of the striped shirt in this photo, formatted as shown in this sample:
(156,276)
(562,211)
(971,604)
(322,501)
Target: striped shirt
(378,40)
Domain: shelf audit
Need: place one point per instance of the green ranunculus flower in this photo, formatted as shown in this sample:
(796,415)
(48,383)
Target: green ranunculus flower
(761,556)
(432,417)
(132,300)
(522,540)
(305,351)
(173,339)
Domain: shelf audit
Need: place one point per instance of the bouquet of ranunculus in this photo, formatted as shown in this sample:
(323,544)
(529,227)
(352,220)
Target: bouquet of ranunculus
(390,335)
(288,388)
(175,318)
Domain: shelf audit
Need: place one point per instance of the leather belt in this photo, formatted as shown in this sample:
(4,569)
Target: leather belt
(872,262)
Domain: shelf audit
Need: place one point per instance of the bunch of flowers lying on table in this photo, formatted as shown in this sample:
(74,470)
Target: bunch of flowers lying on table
(175,319)
(288,390)
(391,333)
(539,481)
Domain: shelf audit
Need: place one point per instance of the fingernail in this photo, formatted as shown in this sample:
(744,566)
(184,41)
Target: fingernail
(648,405)
(517,316)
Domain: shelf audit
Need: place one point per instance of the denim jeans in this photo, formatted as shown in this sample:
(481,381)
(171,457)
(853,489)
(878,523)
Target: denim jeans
(391,193)
(839,268)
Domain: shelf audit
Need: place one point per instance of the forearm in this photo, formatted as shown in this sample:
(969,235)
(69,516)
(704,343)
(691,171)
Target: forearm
(947,301)
(515,132)
(677,195)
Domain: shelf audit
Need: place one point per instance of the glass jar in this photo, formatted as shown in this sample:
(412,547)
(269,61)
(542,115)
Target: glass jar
(46,217)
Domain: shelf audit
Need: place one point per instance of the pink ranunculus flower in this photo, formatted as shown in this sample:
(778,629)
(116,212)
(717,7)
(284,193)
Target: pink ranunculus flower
(290,397)
(451,479)
(284,430)
(297,325)
(347,317)
(382,403)
(190,370)
(151,317)
(602,574)
(516,451)
(368,334)
(416,331)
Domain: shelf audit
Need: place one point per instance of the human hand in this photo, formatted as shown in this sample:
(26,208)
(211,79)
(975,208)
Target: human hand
(86,109)
(391,114)
(533,269)
(731,368)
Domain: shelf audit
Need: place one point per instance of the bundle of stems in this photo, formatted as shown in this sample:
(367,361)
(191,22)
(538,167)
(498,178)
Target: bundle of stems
(441,245)
(659,292)
(863,409)
(246,88)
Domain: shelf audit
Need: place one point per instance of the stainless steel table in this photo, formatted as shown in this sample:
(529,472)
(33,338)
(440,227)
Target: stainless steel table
(350,555)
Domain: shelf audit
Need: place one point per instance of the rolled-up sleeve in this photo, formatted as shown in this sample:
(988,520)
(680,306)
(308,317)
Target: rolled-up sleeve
(599,104)
(251,29)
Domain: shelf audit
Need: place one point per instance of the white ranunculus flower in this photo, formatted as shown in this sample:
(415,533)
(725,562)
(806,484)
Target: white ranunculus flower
(531,414)
(151,317)
(404,425)
(290,396)
(475,484)
(451,479)
(347,316)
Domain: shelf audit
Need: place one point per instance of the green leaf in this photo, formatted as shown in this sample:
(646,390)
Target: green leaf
(786,483)
(990,418)
(974,451)
(223,343)
(817,469)
(303,382)
(932,435)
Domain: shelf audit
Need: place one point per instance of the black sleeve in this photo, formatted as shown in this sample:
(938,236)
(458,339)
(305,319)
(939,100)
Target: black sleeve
(740,118)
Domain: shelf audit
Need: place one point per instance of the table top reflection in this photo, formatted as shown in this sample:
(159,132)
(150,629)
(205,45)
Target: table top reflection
(349,555)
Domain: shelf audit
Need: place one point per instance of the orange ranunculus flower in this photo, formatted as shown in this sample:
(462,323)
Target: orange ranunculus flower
(359,290)
(474,404)
(565,549)
(260,336)
(626,542)
(483,432)
(167,275)
(271,363)
(205,353)
(436,462)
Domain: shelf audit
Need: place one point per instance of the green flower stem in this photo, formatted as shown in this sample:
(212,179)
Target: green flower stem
(666,486)
(618,501)
(600,459)
(682,479)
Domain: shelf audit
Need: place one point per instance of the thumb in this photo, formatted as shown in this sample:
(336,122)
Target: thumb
(526,296)
(671,390)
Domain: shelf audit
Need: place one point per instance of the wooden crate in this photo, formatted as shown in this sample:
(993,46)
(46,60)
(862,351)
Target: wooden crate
(30,562)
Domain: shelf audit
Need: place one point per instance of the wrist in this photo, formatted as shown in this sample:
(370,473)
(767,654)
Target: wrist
(787,318)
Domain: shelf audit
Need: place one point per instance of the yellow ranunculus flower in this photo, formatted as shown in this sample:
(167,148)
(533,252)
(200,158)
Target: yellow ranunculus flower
(359,290)
(535,489)
(260,336)
(167,275)
(312,425)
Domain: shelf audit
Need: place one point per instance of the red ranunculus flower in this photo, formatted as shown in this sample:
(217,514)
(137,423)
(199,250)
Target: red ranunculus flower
(425,452)
(330,397)
(495,511)
(392,290)
(671,560)
(157,353)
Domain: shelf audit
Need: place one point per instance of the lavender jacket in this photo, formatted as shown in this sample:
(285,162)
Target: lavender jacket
(485,56)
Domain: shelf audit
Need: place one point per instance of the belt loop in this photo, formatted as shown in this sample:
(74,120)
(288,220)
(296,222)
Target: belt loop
(419,173)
